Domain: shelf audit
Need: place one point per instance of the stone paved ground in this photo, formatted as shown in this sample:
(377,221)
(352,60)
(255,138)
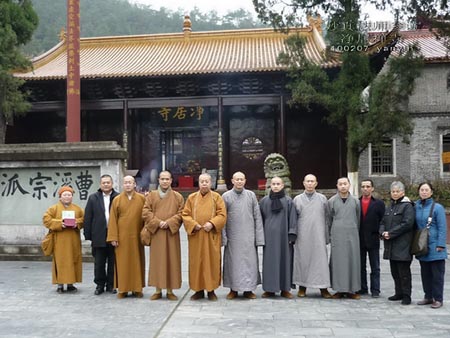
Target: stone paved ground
(30,307)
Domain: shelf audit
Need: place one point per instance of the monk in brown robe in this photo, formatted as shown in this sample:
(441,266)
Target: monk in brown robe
(124,227)
(67,262)
(162,216)
(204,217)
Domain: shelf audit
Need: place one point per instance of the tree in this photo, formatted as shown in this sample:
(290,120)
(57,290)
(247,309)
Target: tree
(385,114)
(16,27)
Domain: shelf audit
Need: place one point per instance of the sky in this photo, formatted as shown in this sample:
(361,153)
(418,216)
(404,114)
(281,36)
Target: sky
(224,6)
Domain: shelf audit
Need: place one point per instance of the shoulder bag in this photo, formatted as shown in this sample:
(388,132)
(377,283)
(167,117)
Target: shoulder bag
(48,244)
(419,246)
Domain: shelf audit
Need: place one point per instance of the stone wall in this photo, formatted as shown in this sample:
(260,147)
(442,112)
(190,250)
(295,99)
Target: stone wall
(31,174)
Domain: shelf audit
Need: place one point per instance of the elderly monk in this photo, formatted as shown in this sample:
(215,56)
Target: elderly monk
(162,216)
(204,217)
(65,220)
(124,227)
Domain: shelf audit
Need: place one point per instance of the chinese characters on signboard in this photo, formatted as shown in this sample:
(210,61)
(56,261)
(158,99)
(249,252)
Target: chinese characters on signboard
(180,116)
(73,49)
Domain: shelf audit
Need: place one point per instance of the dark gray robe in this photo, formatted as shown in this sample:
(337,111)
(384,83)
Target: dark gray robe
(242,234)
(277,254)
(345,261)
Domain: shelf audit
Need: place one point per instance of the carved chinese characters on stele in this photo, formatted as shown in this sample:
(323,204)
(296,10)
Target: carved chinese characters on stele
(26,193)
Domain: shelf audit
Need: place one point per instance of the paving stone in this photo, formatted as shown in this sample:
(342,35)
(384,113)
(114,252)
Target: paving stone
(30,307)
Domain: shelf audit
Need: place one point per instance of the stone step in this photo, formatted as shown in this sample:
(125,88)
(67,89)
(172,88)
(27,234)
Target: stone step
(22,252)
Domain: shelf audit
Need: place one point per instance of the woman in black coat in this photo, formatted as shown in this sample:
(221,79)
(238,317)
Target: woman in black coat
(396,230)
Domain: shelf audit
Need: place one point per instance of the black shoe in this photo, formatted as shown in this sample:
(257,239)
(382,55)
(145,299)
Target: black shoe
(362,292)
(98,291)
(406,300)
(71,288)
(110,289)
(395,297)
(60,289)
(375,295)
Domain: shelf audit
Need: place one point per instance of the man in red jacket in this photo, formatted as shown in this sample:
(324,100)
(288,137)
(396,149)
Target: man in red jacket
(372,212)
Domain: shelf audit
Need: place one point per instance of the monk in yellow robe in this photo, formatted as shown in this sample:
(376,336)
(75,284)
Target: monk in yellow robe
(204,216)
(162,216)
(67,260)
(124,228)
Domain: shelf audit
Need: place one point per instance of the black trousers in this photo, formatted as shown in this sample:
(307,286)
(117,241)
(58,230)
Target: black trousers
(401,273)
(433,279)
(104,266)
(374,261)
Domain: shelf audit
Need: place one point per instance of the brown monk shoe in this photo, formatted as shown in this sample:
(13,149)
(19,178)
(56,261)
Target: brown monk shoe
(338,295)
(122,295)
(198,295)
(353,296)
(138,294)
(268,294)
(171,296)
(249,295)
(156,295)
(232,295)
(212,296)
(325,294)
(301,292)
(286,294)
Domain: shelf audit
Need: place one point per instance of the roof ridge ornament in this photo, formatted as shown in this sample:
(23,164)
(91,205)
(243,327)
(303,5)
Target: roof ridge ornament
(315,21)
(187,26)
(62,34)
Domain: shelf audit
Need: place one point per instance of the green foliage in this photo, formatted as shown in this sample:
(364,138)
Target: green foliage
(388,96)
(119,17)
(16,27)
(309,84)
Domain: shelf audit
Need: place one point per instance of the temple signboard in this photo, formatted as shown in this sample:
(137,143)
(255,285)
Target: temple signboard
(180,116)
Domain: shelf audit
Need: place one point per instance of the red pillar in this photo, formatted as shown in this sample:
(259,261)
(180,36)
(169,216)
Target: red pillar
(73,127)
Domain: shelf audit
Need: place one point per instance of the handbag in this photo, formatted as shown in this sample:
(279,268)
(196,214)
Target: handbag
(146,237)
(419,246)
(48,244)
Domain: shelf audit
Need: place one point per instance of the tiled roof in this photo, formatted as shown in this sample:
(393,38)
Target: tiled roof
(433,49)
(234,51)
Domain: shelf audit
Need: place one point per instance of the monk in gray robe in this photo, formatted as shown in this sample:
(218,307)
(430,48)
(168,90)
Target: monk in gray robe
(345,261)
(311,268)
(242,235)
(280,223)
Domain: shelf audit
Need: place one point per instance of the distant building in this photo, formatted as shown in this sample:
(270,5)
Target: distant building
(427,157)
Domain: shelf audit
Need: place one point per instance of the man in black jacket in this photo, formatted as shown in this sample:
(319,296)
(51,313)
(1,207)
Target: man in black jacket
(372,212)
(96,218)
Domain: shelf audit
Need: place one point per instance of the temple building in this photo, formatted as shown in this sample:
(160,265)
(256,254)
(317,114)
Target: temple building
(189,101)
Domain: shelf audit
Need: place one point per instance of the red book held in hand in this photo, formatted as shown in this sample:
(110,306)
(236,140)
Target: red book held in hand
(69,220)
